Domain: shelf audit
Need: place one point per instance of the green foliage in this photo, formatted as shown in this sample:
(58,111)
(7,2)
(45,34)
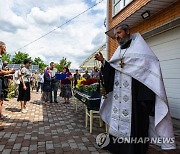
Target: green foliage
(62,63)
(92,87)
(19,57)
(39,61)
(11,90)
(6,57)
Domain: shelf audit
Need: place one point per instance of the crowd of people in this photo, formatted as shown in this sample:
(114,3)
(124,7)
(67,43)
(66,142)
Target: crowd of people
(25,81)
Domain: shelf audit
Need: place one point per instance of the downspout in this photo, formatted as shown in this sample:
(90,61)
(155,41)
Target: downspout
(107,28)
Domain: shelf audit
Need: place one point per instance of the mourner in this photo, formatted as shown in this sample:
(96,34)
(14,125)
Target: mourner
(24,87)
(54,83)
(2,73)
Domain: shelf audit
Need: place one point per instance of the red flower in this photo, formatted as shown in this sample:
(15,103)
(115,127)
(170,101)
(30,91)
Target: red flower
(89,81)
(83,82)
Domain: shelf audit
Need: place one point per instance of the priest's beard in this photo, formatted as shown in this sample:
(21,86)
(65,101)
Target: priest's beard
(122,41)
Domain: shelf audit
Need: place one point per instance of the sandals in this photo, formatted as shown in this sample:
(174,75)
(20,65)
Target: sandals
(1,127)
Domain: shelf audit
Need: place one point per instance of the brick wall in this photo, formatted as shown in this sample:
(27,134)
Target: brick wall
(161,18)
(126,12)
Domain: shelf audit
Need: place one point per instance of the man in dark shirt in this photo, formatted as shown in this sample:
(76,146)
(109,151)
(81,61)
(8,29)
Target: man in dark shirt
(2,73)
(86,75)
(76,76)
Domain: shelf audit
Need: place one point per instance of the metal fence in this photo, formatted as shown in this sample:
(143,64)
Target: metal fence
(16,67)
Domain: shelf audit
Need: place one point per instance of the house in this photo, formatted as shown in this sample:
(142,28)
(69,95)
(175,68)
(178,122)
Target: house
(90,62)
(158,21)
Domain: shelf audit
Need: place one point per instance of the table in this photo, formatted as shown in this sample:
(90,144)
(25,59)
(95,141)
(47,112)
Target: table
(92,107)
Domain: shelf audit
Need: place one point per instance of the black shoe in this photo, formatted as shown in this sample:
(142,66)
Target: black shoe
(51,101)
(55,101)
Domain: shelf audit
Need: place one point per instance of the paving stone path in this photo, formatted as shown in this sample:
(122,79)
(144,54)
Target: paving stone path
(49,128)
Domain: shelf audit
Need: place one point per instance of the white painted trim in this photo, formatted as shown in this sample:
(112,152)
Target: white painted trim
(113,15)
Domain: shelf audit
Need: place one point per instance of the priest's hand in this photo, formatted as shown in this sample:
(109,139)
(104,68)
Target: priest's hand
(99,57)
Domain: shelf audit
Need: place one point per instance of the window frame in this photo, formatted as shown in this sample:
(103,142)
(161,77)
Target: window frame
(115,4)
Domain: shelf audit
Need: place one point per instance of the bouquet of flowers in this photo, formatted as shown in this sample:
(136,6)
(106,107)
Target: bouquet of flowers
(89,86)
(79,86)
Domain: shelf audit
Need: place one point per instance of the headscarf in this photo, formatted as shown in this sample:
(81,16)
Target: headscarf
(47,72)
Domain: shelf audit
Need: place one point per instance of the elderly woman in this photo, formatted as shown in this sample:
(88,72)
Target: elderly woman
(24,87)
(65,84)
(47,85)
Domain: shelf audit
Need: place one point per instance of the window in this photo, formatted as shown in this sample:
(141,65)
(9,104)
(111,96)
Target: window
(118,5)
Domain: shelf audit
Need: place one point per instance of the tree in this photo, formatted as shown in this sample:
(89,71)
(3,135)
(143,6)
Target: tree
(39,61)
(19,57)
(62,63)
(6,57)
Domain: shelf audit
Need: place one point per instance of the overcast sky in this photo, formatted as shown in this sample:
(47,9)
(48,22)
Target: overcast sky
(22,21)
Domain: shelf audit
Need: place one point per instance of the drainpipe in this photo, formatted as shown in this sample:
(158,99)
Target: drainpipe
(107,28)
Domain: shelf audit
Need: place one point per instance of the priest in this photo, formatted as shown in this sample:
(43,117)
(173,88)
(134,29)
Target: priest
(135,105)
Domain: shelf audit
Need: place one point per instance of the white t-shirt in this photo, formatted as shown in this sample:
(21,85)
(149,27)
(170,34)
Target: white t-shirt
(27,74)
(53,72)
(17,77)
(41,78)
(1,63)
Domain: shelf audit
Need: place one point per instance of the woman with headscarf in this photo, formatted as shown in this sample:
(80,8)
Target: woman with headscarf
(65,84)
(47,85)
(24,87)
